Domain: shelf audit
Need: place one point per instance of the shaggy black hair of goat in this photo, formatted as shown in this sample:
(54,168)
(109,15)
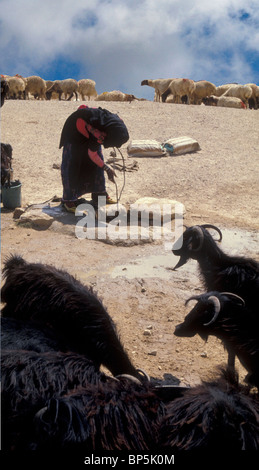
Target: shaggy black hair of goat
(235,325)
(220,271)
(54,298)
(119,415)
(29,336)
(29,379)
(219,415)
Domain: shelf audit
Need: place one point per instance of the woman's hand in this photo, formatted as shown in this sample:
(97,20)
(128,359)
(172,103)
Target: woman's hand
(110,173)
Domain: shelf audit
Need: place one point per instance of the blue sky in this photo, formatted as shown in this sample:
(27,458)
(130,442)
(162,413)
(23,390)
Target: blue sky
(119,43)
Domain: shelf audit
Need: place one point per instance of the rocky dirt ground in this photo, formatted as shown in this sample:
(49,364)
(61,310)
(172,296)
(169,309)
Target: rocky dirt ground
(218,185)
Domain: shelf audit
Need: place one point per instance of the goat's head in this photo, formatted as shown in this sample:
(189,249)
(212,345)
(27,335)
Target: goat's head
(203,317)
(192,242)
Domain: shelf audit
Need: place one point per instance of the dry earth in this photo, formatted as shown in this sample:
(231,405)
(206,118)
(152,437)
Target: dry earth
(218,185)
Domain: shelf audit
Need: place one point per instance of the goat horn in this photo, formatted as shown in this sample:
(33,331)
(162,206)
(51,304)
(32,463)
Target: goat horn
(235,296)
(215,228)
(213,299)
(200,233)
(194,297)
(143,372)
(130,377)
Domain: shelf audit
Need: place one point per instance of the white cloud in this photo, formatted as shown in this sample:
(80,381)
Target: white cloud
(119,43)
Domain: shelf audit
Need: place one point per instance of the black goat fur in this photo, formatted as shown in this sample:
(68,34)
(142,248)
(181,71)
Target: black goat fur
(118,416)
(236,326)
(219,271)
(219,414)
(55,299)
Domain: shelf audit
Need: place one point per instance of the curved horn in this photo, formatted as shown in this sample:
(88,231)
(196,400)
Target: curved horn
(143,373)
(194,297)
(213,299)
(214,228)
(130,377)
(198,230)
(235,296)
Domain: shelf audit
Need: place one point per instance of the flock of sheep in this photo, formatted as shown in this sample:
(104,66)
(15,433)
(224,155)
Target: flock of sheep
(177,90)
(22,88)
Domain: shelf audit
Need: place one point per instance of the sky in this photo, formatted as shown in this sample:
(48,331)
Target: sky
(119,43)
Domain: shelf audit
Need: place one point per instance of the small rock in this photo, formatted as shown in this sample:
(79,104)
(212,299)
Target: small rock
(204,354)
(18,212)
(152,353)
(147,333)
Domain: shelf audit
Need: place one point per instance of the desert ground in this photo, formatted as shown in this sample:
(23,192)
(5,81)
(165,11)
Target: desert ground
(217,184)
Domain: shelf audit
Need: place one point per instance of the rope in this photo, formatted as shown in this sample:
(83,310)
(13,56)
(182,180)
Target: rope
(118,196)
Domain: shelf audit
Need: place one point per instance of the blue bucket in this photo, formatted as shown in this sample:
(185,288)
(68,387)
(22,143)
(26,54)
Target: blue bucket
(11,197)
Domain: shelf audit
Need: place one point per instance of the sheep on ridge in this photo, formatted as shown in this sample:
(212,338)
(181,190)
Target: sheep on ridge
(202,90)
(68,87)
(180,87)
(159,84)
(224,101)
(243,92)
(86,87)
(35,86)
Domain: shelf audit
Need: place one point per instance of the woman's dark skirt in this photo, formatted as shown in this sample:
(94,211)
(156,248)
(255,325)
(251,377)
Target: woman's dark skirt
(79,174)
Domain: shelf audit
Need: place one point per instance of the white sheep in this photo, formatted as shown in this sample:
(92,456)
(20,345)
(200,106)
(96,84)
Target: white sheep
(16,87)
(115,95)
(243,92)
(224,101)
(36,86)
(202,89)
(221,89)
(86,87)
(180,87)
(68,87)
(159,84)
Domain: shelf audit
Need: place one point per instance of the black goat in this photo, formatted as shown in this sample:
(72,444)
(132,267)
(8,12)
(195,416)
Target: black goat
(225,316)
(54,298)
(219,415)
(108,417)
(220,271)
(29,379)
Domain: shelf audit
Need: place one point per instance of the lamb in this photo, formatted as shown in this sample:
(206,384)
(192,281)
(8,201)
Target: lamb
(224,101)
(160,85)
(225,316)
(180,87)
(54,298)
(16,87)
(243,92)
(6,163)
(219,271)
(219,413)
(35,86)
(202,90)
(4,90)
(86,87)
